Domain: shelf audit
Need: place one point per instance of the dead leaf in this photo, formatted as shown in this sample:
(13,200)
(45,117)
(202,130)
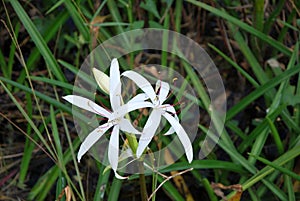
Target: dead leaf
(67,192)
(218,187)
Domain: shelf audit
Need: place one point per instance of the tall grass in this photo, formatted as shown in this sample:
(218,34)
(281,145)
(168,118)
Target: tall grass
(46,43)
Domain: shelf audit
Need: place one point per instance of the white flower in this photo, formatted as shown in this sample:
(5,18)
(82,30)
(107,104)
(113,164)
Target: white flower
(115,117)
(159,109)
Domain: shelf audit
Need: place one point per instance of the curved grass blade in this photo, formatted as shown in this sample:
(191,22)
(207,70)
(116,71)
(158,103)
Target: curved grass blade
(38,40)
(279,46)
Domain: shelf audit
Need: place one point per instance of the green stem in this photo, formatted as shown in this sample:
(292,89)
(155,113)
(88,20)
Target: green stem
(143,188)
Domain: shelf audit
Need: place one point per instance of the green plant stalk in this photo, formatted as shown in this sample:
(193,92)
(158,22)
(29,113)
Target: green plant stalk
(278,167)
(276,136)
(245,49)
(29,146)
(285,29)
(178,16)
(12,54)
(211,194)
(289,183)
(115,190)
(143,187)
(258,19)
(103,180)
(164,54)
(272,17)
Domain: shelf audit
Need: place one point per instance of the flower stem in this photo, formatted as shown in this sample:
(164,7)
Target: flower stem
(143,188)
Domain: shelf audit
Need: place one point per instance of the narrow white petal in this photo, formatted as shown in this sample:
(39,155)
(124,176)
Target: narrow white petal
(115,85)
(183,137)
(171,109)
(102,80)
(113,148)
(126,126)
(142,83)
(129,107)
(91,139)
(88,105)
(148,131)
(119,176)
(164,89)
(138,98)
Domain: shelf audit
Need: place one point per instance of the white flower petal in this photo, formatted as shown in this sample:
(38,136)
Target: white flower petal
(148,131)
(91,139)
(142,83)
(102,80)
(183,137)
(171,109)
(172,130)
(113,148)
(129,107)
(88,105)
(115,85)
(126,126)
(138,98)
(119,176)
(164,89)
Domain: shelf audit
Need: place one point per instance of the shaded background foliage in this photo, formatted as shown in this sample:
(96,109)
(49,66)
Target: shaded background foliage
(254,44)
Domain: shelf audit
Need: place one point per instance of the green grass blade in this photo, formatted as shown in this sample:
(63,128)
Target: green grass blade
(49,33)
(78,19)
(38,40)
(289,155)
(245,49)
(29,120)
(278,167)
(279,46)
(261,91)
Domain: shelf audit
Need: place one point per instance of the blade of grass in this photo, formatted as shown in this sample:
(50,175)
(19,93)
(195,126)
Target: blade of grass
(44,184)
(38,40)
(49,33)
(279,46)
(283,159)
(276,136)
(278,167)
(78,19)
(29,120)
(46,98)
(261,91)
(29,145)
(12,53)
(259,129)
(245,49)
(235,65)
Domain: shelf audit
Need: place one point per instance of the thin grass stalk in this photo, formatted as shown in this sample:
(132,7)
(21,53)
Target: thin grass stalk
(142,179)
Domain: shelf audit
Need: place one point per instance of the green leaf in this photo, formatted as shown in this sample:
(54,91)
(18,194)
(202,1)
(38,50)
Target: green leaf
(150,6)
(38,40)
(279,46)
